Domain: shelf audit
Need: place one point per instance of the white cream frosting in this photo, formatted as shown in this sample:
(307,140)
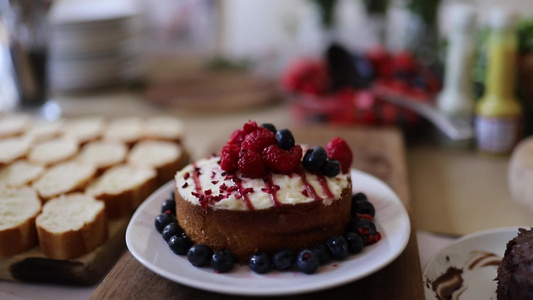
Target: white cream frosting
(291,186)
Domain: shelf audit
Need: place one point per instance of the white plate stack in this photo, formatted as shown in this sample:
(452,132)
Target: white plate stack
(94,43)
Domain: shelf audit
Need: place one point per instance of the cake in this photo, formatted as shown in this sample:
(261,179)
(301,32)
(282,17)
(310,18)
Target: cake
(258,195)
(515,272)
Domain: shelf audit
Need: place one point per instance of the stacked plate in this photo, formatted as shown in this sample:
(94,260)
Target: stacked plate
(94,44)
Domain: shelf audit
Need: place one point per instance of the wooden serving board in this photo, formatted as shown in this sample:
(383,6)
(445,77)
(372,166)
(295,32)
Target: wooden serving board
(34,266)
(379,152)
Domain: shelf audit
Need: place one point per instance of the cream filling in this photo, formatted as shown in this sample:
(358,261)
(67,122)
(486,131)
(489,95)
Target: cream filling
(292,189)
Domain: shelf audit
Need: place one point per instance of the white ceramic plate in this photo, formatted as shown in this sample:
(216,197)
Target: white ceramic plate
(149,248)
(477,255)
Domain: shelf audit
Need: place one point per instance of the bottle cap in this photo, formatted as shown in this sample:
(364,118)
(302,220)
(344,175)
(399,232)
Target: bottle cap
(503,19)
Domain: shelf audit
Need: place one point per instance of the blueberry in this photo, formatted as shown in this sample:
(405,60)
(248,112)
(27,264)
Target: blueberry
(285,139)
(363,208)
(269,126)
(163,220)
(222,261)
(359,197)
(260,263)
(283,259)
(314,158)
(337,247)
(199,255)
(169,205)
(307,261)
(354,241)
(365,227)
(180,244)
(331,168)
(170,230)
(323,255)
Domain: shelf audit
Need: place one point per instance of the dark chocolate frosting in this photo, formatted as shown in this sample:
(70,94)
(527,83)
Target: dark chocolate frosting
(515,273)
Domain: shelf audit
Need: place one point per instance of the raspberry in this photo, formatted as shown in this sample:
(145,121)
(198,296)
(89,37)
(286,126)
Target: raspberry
(229,157)
(251,164)
(338,149)
(283,161)
(258,140)
(238,136)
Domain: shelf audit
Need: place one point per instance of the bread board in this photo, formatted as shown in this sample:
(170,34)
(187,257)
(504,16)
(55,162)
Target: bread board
(34,266)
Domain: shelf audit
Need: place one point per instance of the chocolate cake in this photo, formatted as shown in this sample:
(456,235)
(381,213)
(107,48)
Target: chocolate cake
(515,273)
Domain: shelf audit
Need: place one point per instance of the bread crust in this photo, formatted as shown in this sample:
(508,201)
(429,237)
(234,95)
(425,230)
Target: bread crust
(268,230)
(18,239)
(74,243)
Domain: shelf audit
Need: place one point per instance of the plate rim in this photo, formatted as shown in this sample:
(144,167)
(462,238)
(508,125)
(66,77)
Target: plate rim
(230,290)
(473,235)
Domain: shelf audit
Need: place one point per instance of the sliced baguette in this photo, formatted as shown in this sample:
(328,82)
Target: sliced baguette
(84,130)
(20,173)
(12,149)
(64,178)
(13,125)
(41,131)
(18,210)
(71,225)
(165,157)
(164,128)
(103,154)
(122,188)
(53,152)
(126,130)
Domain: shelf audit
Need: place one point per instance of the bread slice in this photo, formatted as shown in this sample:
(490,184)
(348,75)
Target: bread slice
(54,151)
(64,178)
(164,128)
(13,125)
(166,157)
(20,173)
(13,148)
(126,130)
(122,188)
(40,131)
(71,225)
(103,154)
(84,130)
(18,210)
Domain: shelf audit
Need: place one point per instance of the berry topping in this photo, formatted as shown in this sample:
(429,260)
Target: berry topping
(307,261)
(331,168)
(338,149)
(359,197)
(285,139)
(338,247)
(163,220)
(363,208)
(222,261)
(283,259)
(238,135)
(251,164)
(169,205)
(199,255)
(259,140)
(365,227)
(170,230)
(354,241)
(283,161)
(270,127)
(323,255)
(260,263)
(180,244)
(229,157)
(314,158)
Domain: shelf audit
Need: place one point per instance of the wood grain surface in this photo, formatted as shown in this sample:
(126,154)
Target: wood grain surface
(379,152)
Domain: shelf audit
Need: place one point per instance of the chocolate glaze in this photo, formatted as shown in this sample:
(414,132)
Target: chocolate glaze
(494,260)
(447,283)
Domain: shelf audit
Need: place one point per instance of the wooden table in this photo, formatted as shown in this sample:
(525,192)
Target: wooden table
(379,152)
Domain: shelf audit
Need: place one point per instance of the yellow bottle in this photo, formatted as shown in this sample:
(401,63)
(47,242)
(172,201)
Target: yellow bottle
(498,113)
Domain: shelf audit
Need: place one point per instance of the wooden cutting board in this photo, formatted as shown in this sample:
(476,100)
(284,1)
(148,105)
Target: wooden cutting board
(379,152)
